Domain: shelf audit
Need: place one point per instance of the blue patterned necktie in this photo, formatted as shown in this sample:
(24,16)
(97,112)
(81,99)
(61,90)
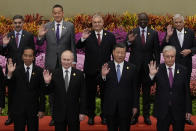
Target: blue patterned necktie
(57,33)
(118,72)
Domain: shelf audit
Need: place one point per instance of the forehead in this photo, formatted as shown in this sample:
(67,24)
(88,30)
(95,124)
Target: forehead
(18,20)
(170,52)
(120,49)
(67,55)
(143,16)
(97,18)
(28,51)
(57,9)
(178,19)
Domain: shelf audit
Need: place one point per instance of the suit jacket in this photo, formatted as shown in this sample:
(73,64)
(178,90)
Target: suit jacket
(178,95)
(95,55)
(2,89)
(54,49)
(11,50)
(27,96)
(189,43)
(123,95)
(142,54)
(71,103)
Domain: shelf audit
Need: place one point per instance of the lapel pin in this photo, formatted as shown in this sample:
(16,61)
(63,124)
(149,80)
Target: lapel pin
(178,71)
(63,27)
(12,37)
(53,29)
(74,74)
(33,73)
(127,67)
(23,35)
(185,32)
(148,33)
(105,34)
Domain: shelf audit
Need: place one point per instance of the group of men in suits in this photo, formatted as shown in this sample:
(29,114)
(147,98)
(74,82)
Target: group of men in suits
(119,81)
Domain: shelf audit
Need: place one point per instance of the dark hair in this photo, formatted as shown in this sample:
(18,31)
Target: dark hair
(143,13)
(18,17)
(58,6)
(119,45)
(27,48)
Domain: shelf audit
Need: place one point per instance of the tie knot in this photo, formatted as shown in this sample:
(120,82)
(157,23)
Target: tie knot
(28,67)
(118,66)
(66,71)
(98,34)
(170,69)
(58,25)
(17,33)
(143,31)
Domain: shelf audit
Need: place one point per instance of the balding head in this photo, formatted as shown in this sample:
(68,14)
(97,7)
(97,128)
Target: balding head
(67,58)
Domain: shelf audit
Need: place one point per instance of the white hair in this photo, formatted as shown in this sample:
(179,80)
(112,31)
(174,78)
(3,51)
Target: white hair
(176,16)
(97,15)
(169,48)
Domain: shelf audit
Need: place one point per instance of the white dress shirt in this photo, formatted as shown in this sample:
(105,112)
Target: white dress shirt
(180,35)
(173,69)
(69,73)
(30,70)
(60,27)
(121,66)
(19,36)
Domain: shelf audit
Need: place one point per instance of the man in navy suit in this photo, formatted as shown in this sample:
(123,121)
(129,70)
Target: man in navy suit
(98,45)
(144,47)
(13,46)
(68,86)
(121,95)
(183,39)
(172,98)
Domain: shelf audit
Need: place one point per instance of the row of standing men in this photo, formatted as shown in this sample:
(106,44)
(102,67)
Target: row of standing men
(142,42)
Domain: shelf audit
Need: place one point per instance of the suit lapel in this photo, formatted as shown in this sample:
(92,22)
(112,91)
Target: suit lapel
(22,39)
(61,78)
(113,71)
(72,76)
(124,72)
(139,36)
(52,27)
(64,29)
(33,73)
(12,36)
(185,37)
(23,74)
(176,39)
(165,75)
(94,37)
(148,33)
(175,74)
(103,38)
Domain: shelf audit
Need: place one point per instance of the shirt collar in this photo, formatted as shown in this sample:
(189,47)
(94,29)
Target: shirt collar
(101,32)
(20,32)
(30,67)
(61,23)
(121,64)
(173,66)
(178,32)
(69,69)
(145,29)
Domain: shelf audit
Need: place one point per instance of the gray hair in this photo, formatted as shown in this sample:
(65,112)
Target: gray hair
(176,16)
(169,48)
(97,15)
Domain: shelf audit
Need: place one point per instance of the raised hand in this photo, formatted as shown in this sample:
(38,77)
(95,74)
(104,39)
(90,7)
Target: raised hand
(170,31)
(81,117)
(105,70)
(11,67)
(47,76)
(40,114)
(152,68)
(6,39)
(131,36)
(42,30)
(86,33)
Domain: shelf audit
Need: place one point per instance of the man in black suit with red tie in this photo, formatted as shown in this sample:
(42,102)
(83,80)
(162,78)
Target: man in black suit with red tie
(183,39)
(172,98)
(68,86)
(2,90)
(121,95)
(13,45)
(98,45)
(144,47)
(28,100)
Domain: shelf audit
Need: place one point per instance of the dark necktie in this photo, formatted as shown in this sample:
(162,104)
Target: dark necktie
(57,33)
(170,77)
(98,39)
(17,39)
(143,37)
(118,72)
(27,73)
(66,80)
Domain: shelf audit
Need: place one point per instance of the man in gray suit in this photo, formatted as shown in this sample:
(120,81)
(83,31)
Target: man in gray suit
(60,36)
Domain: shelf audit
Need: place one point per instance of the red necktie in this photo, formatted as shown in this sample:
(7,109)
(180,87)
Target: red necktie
(17,39)
(143,37)
(98,39)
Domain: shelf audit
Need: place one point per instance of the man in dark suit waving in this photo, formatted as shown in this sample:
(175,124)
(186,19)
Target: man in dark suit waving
(121,96)
(68,86)
(98,45)
(183,39)
(13,46)
(28,98)
(172,99)
(144,47)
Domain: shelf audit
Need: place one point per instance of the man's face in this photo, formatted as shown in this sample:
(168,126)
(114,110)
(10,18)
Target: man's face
(28,57)
(66,59)
(97,23)
(169,57)
(143,20)
(119,54)
(57,14)
(179,24)
(18,24)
